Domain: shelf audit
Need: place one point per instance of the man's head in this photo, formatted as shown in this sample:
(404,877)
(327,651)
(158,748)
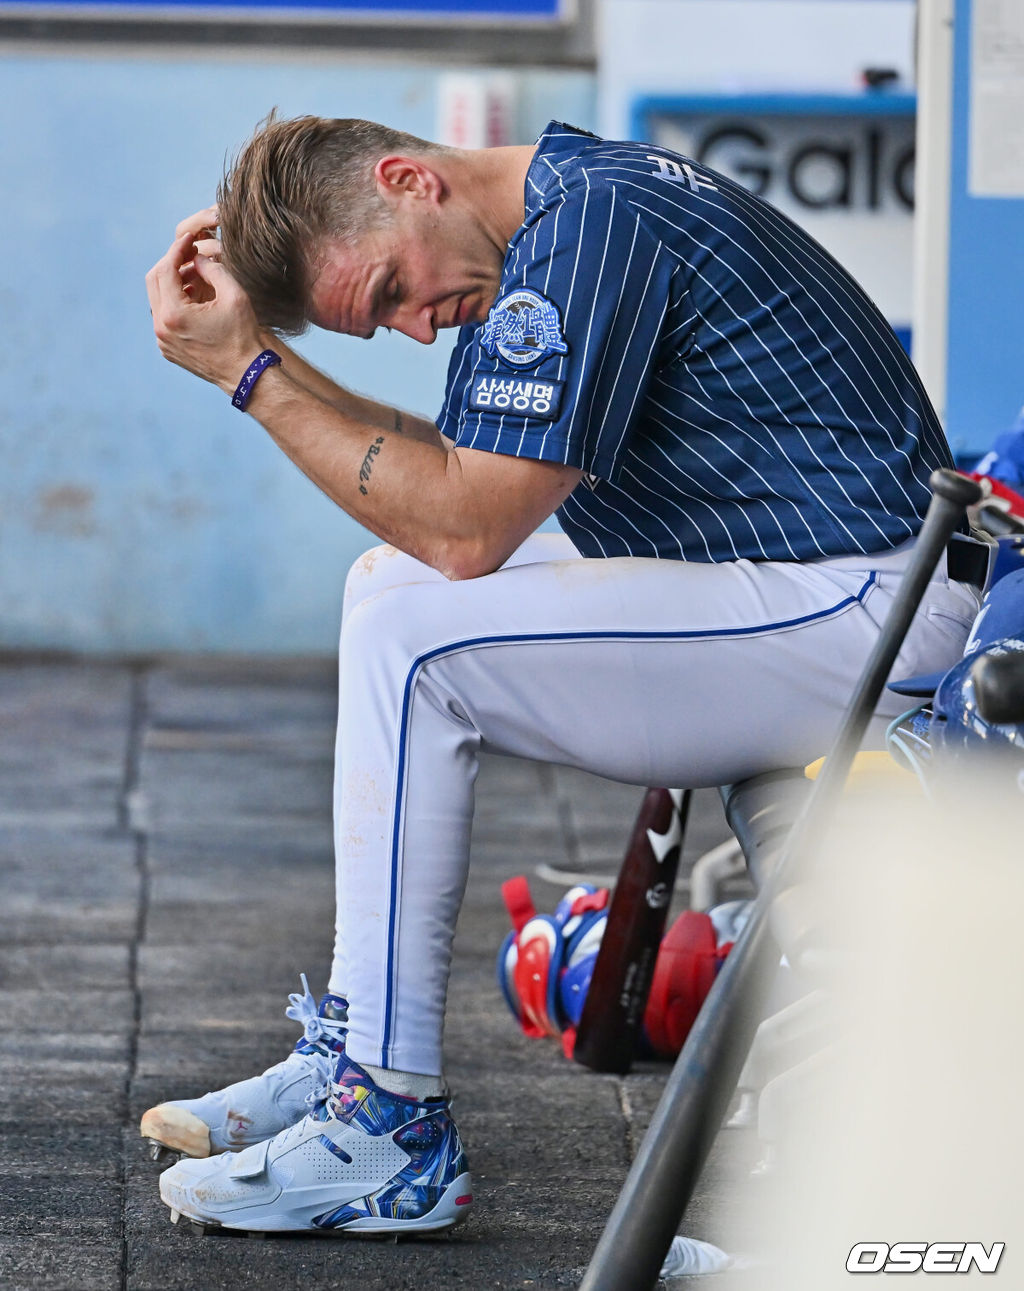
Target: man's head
(305,193)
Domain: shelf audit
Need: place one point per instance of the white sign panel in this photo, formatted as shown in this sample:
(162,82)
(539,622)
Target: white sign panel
(996,150)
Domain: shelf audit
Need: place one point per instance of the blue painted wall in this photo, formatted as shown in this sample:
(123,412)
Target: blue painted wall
(138,510)
(985,359)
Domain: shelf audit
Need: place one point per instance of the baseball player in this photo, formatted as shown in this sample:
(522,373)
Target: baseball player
(738,452)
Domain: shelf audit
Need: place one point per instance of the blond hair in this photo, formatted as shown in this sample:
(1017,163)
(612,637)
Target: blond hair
(293,186)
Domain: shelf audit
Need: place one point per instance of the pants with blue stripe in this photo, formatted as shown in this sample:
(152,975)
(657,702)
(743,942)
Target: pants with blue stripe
(645,671)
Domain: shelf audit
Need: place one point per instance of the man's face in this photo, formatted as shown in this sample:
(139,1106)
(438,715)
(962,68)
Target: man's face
(424,271)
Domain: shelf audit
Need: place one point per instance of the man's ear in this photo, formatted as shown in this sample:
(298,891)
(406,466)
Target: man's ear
(401,177)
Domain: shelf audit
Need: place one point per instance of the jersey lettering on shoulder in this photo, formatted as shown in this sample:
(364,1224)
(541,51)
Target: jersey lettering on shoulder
(681,172)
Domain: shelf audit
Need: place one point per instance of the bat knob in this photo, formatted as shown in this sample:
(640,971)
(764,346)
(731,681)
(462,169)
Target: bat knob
(955,488)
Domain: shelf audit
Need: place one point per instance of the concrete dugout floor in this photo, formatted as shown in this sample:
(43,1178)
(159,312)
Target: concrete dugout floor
(166,873)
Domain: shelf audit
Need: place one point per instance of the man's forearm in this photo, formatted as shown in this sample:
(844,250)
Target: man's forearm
(392,483)
(357,406)
(462,513)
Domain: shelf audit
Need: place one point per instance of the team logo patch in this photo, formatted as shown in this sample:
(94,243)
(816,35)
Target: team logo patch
(523,328)
(522,396)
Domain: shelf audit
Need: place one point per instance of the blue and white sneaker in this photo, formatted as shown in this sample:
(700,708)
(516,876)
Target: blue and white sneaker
(252,1110)
(365,1161)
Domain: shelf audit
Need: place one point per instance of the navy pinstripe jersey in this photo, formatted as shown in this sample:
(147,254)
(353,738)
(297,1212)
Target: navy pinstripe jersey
(726,387)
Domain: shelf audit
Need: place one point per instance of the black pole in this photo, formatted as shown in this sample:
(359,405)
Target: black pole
(658,1188)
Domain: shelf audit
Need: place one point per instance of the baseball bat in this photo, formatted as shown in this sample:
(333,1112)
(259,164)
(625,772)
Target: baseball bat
(613,1012)
(668,1165)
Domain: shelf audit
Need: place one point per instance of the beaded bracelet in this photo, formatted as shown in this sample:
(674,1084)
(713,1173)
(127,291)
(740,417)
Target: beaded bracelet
(253,373)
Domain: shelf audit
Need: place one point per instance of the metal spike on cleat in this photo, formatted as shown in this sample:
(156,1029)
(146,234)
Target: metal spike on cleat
(162,1154)
(194,1225)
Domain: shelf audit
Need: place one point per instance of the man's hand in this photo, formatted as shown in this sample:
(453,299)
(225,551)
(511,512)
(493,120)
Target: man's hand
(203,227)
(202,319)
(201,224)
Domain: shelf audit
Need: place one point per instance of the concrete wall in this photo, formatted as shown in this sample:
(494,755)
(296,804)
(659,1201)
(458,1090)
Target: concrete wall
(138,510)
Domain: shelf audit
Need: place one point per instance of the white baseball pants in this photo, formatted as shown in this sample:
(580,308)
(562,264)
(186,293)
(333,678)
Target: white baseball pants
(652,672)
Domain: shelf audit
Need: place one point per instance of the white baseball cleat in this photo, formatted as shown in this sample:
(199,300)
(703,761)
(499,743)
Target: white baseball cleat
(365,1161)
(252,1110)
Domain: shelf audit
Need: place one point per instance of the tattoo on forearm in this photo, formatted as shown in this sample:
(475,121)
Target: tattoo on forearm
(398,422)
(367,467)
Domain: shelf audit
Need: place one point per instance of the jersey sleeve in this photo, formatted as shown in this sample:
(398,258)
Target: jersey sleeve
(459,370)
(559,369)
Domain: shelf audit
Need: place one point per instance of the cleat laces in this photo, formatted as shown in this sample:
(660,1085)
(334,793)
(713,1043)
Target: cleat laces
(315,1031)
(320,1093)
(318,1049)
